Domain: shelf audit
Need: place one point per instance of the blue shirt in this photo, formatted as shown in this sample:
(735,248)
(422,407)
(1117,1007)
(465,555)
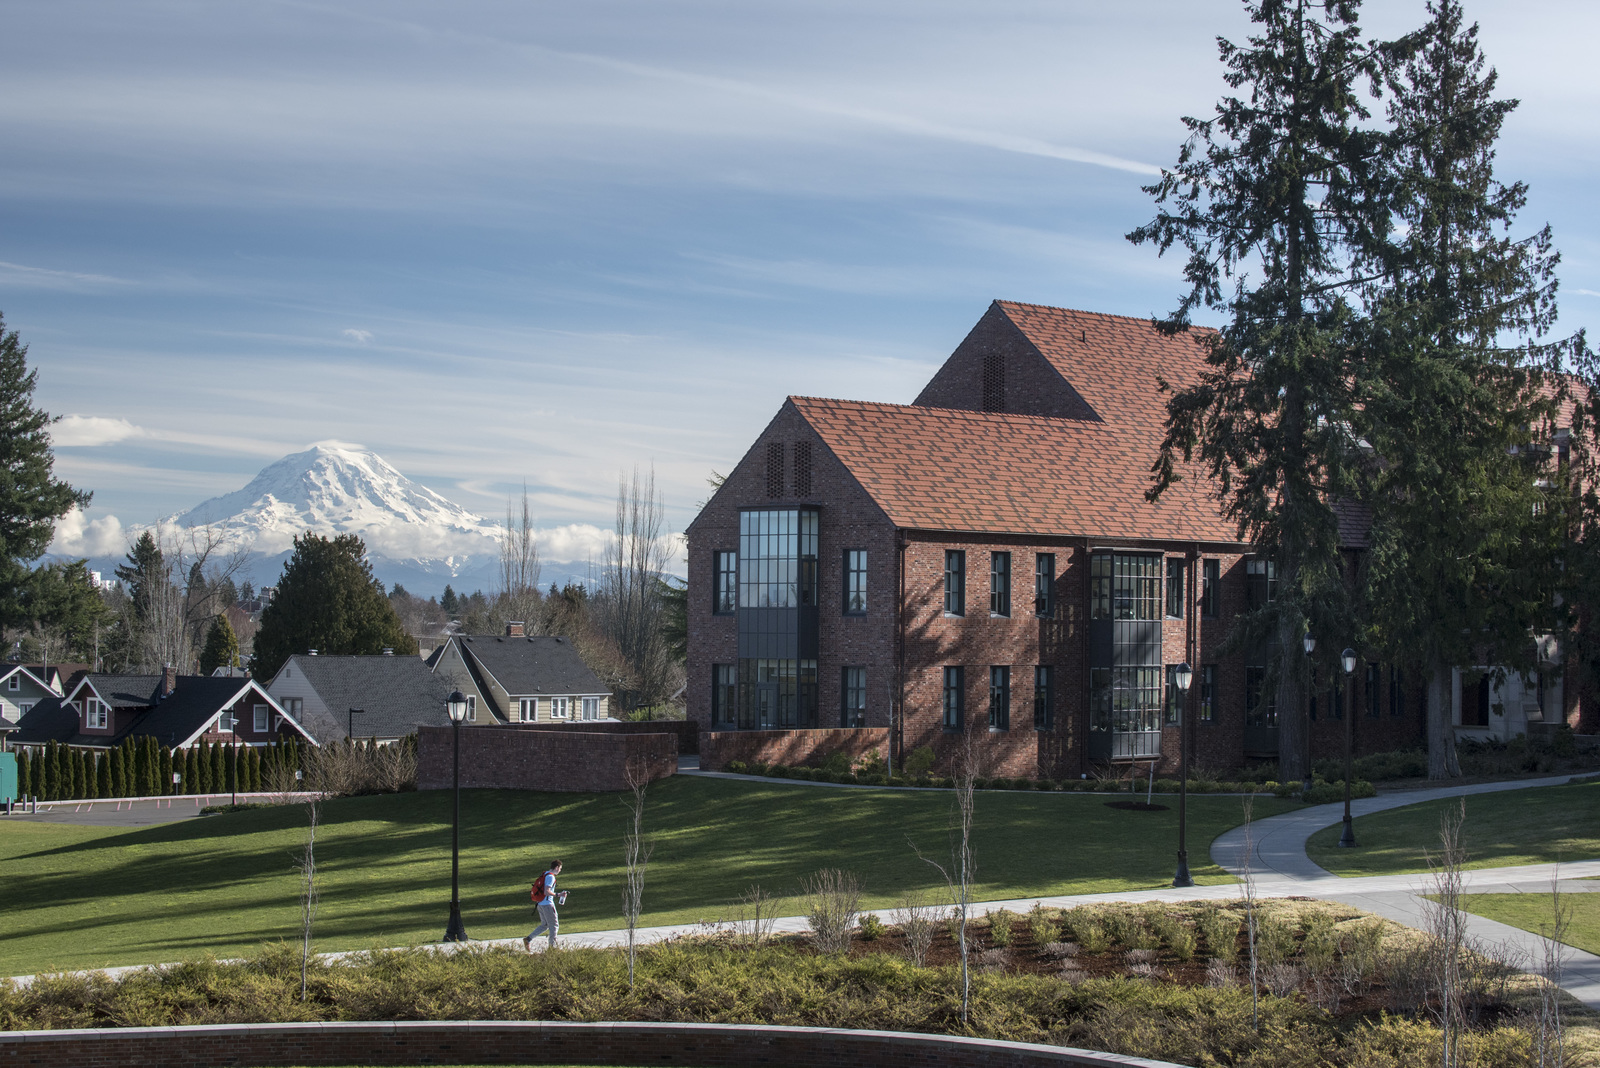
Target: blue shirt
(550,887)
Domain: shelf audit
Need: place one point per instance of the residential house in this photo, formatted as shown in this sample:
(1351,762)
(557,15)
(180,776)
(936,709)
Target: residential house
(391,695)
(22,686)
(520,678)
(179,711)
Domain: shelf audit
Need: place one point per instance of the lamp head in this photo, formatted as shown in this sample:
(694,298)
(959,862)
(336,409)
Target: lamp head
(456,705)
(1311,644)
(1348,660)
(1182,676)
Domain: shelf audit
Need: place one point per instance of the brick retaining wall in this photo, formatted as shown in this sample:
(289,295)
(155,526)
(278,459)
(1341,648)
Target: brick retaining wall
(492,1042)
(687,731)
(506,758)
(810,747)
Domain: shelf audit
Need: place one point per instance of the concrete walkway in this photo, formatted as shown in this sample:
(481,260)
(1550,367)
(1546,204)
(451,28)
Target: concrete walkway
(1278,863)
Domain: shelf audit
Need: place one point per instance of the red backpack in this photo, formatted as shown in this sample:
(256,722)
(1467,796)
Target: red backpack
(538,893)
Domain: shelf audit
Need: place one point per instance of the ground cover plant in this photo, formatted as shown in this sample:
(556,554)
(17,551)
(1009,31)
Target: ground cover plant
(79,896)
(1536,826)
(1342,989)
(1533,912)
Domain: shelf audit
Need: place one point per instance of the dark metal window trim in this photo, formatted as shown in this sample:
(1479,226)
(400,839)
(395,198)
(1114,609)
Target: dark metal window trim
(1208,693)
(955,697)
(1000,697)
(725,586)
(1044,698)
(1044,585)
(1210,588)
(1175,587)
(852,696)
(855,582)
(1172,699)
(955,582)
(1000,585)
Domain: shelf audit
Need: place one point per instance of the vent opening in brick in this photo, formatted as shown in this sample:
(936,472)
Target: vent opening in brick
(802,469)
(775,469)
(994,383)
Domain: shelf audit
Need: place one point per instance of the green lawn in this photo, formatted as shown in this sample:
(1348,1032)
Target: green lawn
(89,896)
(1531,912)
(1551,823)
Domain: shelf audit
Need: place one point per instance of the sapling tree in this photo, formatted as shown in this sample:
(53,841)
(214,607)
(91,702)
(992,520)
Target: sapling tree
(636,850)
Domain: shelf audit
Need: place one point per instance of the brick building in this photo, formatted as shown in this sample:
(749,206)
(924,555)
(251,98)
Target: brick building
(983,563)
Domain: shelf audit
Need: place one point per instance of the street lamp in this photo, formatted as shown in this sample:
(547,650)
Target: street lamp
(456,931)
(1310,643)
(233,755)
(1347,660)
(1182,676)
(350,720)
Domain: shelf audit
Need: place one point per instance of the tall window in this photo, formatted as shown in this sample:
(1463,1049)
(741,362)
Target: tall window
(853,697)
(1000,698)
(94,714)
(1044,698)
(855,582)
(1371,691)
(1173,706)
(725,594)
(1044,585)
(1260,708)
(1208,693)
(954,697)
(528,708)
(1210,587)
(258,718)
(955,582)
(1124,586)
(999,584)
(1397,692)
(14,683)
(777,558)
(1261,577)
(724,694)
(560,708)
(472,708)
(1174,588)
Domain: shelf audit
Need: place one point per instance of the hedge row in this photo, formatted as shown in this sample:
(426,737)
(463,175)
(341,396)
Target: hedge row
(141,768)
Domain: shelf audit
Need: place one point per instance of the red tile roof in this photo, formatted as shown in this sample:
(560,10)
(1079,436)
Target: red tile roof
(948,469)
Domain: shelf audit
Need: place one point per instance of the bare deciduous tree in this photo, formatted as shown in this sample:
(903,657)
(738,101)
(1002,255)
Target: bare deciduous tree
(1549,1036)
(1248,882)
(1447,926)
(833,898)
(757,913)
(959,874)
(916,919)
(308,890)
(179,601)
(518,596)
(636,852)
(628,600)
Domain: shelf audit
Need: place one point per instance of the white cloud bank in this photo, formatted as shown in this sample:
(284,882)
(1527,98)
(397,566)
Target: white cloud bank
(78,535)
(79,430)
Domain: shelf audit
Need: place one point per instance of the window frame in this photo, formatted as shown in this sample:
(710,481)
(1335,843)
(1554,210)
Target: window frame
(854,586)
(853,684)
(472,708)
(1000,585)
(1000,697)
(14,683)
(724,696)
(528,710)
(1207,712)
(955,698)
(585,704)
(1175,591)
(96,714)
(1172,699)
(955,582)
(260,716)
(1044,697)
(1210,588)
(564,704)
(725,584)
(1044,585)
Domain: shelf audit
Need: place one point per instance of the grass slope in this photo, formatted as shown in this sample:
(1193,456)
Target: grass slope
(1538,826)
(1531,912)
(93,896)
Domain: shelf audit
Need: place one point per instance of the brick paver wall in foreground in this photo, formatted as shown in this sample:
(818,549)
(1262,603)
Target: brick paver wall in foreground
(809,747)
(504,758)
(475,1042)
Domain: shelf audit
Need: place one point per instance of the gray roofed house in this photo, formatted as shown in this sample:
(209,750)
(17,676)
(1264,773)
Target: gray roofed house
(177,710)
(397,694)
(518,678)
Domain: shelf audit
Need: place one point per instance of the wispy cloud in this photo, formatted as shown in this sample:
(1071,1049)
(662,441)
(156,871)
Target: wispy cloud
(360,337)
(90,430)
(21,275)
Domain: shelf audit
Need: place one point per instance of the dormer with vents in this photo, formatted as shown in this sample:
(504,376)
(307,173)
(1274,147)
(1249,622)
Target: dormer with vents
(997,368)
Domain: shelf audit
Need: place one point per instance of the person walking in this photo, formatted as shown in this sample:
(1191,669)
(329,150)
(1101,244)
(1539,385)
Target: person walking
(546,897)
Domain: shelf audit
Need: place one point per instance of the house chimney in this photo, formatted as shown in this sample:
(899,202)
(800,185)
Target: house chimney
(169,680)
(514,629)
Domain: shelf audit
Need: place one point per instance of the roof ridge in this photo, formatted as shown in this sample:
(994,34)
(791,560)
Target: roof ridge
(931,410)
(1147,320)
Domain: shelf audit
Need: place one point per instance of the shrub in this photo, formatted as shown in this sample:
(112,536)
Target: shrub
(872,764)
(1220,929)
(1088,931)
(920,762)
(832,899)
(777,771)
(916,919)
(836,764)
(1177,936)
(871,927)
(1000,927)
(1041,928)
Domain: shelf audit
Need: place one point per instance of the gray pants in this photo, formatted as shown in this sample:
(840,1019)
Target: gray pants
(548,921)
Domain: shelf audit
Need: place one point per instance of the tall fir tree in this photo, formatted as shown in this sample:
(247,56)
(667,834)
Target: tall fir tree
(25,772)
(38,774)
(69,773)
(1465,553)
(31,497)
(114,764)
(1274,197)
(327,600)
(167,787)
(219,770)
(191,770)
(221,648)
(102,771)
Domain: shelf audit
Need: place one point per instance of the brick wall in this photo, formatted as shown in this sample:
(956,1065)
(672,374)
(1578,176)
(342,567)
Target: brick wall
(686,731)
(502,1042)
(810,747)
(508,758)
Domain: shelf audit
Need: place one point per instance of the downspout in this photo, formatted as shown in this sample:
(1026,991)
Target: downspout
(1083,660)
(897,714)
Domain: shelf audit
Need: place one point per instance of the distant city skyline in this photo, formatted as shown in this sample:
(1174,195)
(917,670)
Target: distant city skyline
(503,243)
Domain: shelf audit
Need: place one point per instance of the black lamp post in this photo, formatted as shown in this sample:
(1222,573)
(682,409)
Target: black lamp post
(1347,660)
(1310,644)
(350,719)
(456,931)
(1182,676)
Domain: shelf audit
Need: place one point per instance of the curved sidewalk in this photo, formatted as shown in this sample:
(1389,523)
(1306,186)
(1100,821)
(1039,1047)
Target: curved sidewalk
(1278,864)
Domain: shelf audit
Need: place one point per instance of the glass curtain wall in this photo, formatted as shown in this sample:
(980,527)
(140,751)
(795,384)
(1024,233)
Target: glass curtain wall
(1125,676)
(777,619)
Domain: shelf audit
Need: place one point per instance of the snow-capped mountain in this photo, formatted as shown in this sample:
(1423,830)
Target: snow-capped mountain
(413,535)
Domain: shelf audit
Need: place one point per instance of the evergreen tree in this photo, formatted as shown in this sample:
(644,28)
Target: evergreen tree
(202,779)
(31,497)
(1274,197)
(144,571)
(449,602)
(69,773)
(38,773)
(85,774)
(24,772)
(253,768)
(327,600)
(219,772)
(191,771)
(222,646)
(141,768)
(167,787)
(114,766)
(231,768)
(1452,387)
(103,775)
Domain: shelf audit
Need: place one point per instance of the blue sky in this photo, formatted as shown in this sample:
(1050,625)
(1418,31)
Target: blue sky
(508,242)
